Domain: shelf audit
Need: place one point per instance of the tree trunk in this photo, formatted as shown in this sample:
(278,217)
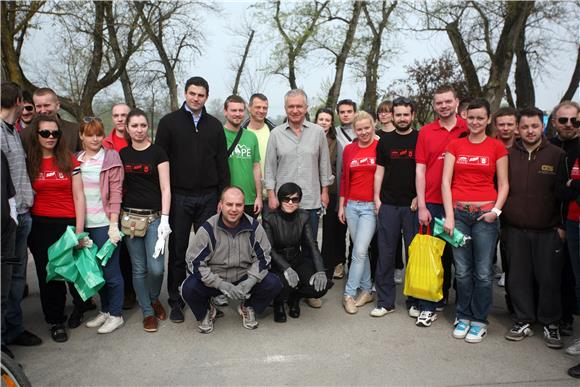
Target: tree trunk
(573,86)
(525,94)
(340,64)
(243,62)
(509,97)
(292,70)
(127,89)
(464,58)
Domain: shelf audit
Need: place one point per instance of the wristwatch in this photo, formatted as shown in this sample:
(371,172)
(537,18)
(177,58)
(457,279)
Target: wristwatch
(496,211)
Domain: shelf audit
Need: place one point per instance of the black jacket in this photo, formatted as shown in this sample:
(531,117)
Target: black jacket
(537,187)
(197,155)
(572,149)
(289,235)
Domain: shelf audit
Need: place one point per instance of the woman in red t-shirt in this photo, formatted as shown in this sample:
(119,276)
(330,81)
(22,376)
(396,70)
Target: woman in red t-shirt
(59,202)
(473,205)
(356,192)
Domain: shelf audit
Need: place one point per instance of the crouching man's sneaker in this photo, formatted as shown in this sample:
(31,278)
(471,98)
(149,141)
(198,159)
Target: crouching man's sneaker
(519,331)
(248,316)
(425,319)
(476,334)
(552,337)
(206,325)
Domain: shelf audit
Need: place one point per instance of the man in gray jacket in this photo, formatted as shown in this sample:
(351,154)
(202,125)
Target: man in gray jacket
(229,254)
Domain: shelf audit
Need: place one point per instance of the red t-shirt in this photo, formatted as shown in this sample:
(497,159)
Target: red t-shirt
(430,150)
(573,208)
(119,142)
(474,169)
(361,163)
(54,197)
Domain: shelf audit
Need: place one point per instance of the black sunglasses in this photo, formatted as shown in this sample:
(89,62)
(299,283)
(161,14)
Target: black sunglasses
(28,108)
(49,133)
(564,120)
(403,101)
(88,119)
(293,199)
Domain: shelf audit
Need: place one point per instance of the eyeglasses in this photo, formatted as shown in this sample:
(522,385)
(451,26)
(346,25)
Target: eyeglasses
(88,119)
(385,112)
(564,120)
(49,133)
(28,108)
(403,101)
(293,199)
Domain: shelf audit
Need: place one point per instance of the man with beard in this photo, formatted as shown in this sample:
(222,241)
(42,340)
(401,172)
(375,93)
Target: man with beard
(537,171)
(395,199)
(28,112)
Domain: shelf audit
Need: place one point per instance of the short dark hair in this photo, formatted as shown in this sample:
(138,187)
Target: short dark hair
(135,112)
(11,93)
(197,81)
(260,96)
(402,101)
(332,130)
(530,112)
(463,105)
(479,103)
(44,91)
(27,96)
(233,98)
(349,102)
(445,89)
(505,111)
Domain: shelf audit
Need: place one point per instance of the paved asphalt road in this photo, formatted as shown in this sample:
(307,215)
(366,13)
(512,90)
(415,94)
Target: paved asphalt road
(323,347)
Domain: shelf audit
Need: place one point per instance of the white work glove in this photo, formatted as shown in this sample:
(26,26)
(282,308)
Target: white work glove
(13,213)
(159,247)
(291,277)
(114,233)
(164,230)
(85,242)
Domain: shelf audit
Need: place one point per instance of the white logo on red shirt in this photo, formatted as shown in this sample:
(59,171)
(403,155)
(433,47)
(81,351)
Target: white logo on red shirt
(362,162)
(472,160)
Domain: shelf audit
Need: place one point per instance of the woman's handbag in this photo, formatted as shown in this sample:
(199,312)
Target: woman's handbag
(134,223)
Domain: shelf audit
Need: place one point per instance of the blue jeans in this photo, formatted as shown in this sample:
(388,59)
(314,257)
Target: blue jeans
(573,238)
(362,222)
(473,266)
(13,325)
(113,291)
(147,271)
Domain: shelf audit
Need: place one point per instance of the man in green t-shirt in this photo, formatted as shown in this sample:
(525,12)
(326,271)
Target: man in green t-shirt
(244,158)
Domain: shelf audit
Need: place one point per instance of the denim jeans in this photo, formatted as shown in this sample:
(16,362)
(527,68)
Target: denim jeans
(147,271)
(185,212)
(362,222)
(473,266)
(113,291)
(573,238)
(13,325)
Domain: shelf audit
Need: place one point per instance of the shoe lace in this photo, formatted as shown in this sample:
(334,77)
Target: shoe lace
(518,326)
(248,312)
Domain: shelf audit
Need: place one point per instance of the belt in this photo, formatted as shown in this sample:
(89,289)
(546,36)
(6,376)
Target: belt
(140,211)
(473,208)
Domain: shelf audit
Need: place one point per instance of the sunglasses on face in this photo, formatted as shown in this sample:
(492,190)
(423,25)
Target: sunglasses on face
(49,133)
(88,119)
(564,120)
(292,199)
(28,108)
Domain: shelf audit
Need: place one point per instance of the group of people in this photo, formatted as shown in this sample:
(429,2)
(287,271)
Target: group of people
(239,205)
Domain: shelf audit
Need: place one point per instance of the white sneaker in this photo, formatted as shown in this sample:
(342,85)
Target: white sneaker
(574,349)
(98,320)
(398,276)
(476,334)
(425,319)
(501,280)
(112,323)
(414,312)
(380,311)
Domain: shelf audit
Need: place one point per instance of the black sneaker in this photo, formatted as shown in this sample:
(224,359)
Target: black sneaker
(566,328)
(58,333)
(76,318)
(176,314)
(27,339)
(552,336)
(519,331)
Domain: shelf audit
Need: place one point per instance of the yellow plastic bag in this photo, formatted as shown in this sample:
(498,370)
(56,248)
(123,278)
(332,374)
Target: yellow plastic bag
(424,273)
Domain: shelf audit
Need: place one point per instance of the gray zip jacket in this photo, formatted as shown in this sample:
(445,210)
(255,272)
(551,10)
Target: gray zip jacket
(215,254)
(12,148)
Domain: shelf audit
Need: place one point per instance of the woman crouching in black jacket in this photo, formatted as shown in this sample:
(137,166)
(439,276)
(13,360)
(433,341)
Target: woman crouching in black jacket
(303,275)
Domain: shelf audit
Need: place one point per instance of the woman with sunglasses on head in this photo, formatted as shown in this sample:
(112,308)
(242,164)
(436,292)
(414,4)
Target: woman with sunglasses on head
(59,202)
(146,195)
(303,275)
(357,208)
(473,205)
(102,174)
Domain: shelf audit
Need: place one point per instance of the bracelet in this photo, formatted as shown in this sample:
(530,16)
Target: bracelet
(496,211)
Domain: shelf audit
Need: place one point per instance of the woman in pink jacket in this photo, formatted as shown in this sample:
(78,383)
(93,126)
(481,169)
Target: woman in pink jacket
(102,174)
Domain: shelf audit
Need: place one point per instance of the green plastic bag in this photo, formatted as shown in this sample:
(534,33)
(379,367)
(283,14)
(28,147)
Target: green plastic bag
(90,275)
(61,263)
(457,240)
(106,251)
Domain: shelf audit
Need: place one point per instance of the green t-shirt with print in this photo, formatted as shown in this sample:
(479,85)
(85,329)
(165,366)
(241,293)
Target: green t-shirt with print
(242,160)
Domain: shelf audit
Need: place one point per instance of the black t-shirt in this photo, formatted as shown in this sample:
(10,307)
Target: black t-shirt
(396,153)
(141,185)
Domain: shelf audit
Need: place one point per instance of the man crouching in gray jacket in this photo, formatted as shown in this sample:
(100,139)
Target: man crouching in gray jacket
(229,254)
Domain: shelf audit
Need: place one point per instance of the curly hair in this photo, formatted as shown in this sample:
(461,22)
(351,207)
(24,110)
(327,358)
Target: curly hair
(61,154)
